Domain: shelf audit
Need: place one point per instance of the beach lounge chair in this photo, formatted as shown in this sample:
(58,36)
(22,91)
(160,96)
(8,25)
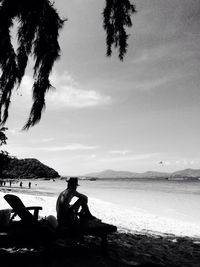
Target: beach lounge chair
(18,208)
(30,228)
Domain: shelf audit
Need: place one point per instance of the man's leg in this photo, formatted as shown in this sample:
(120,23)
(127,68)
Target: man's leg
(84,212)
(81,203)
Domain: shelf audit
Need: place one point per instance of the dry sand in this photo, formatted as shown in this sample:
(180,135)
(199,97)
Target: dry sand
(124,249)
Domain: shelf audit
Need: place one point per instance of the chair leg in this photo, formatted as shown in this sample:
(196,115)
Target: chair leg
(104,244)
(35,214)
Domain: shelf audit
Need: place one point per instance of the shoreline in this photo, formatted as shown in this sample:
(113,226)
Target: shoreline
(125,220)
(125,248)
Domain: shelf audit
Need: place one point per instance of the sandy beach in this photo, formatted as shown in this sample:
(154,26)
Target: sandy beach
(124,248)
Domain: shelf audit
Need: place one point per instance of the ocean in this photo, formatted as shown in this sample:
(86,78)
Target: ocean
(148,206)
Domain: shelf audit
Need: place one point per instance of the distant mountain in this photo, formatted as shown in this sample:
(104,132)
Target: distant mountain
(28,169)
(126,174)
(187,173)
(111,174)
(154,174)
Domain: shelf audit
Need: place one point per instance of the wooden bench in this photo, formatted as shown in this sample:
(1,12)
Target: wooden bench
(88,228)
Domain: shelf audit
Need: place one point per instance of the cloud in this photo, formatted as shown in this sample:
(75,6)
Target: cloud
(15,131)
(69,93)
(149,84)
(167,163)
(121,152)
(183,162)
(43,140)
(20,151)
(66,92)
(130,157)
(68,147)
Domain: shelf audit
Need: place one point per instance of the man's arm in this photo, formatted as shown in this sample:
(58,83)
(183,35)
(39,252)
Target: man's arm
(79,195)
(60,202)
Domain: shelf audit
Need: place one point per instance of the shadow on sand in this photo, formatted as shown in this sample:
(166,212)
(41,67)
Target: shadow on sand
(123,250)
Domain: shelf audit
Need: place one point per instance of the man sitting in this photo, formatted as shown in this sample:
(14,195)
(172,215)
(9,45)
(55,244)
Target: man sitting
(67,213)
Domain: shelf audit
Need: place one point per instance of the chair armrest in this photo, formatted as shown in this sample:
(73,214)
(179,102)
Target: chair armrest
(36,211)
(34,208)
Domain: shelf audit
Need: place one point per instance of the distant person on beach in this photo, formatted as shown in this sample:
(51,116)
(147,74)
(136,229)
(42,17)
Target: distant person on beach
(20,184)
(29,185)
(67,213)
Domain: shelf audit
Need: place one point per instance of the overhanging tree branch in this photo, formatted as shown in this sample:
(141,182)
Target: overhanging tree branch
(117,16)
(38,32)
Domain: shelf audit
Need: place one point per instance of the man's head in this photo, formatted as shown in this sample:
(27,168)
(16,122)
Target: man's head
(72,183)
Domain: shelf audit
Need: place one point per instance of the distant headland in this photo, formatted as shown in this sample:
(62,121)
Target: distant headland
(29,168)
(186,174)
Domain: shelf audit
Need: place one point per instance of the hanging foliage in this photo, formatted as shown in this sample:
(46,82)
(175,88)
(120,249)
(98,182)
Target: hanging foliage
(37,35)
(117,16)
(39,25)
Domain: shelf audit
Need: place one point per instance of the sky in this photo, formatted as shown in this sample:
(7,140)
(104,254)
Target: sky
(108,114)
